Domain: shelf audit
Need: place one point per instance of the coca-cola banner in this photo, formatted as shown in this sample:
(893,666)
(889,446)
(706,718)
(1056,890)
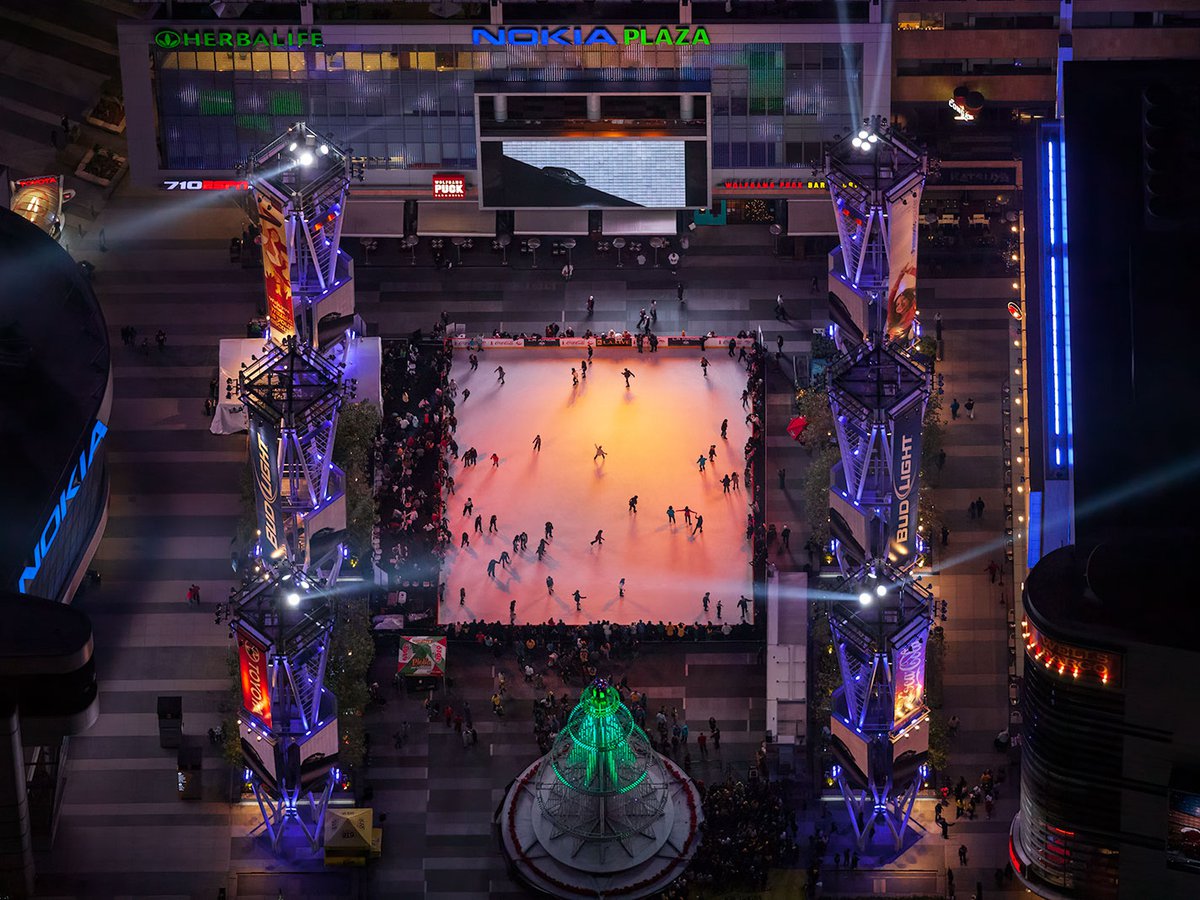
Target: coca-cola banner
(256,682)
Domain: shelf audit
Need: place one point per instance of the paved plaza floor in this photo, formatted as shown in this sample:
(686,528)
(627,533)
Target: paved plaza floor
(652,433)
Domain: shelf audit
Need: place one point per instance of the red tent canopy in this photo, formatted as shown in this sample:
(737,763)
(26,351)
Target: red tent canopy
(796,426)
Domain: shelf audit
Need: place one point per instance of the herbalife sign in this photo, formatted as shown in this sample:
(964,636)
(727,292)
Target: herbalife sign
(246,38)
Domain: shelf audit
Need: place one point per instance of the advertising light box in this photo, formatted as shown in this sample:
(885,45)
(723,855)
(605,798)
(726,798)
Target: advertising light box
(594,173)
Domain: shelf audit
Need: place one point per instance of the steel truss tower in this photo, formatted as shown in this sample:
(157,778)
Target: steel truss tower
(878,392)
(293,391)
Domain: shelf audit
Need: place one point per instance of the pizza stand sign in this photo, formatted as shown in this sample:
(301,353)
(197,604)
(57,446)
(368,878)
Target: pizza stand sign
(422,656)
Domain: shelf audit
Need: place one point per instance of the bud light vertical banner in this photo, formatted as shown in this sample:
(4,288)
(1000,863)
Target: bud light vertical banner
(276,271)
(264,465)
(256,681)
(906,468)
(902,267)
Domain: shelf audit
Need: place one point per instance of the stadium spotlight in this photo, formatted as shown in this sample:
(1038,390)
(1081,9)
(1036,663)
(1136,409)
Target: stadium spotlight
(865,598)
(293,600)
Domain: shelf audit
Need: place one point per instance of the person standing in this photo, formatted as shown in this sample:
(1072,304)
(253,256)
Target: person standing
(474,360)
(491,568)
(495,461)
(574,378)
(599,454)
(679,292)
(627,375)
(701,461)
(971,508)
(591,305)
(724,429)
(779,346)
(962,854)
(699,525)
(705,600)
(743,605)
(671,514)
(549,531)
(704,365)
(725,482)
(599,538)
(945,536)
(786,535)
(541,550)
(941,460)
(633,503)
(500,374)
(479,524)
(465,542)
(462,596)
(937,326)
(702,743)
(549,585)
(954,404)
(687,515)
(979,507)
(621,588)
(712,453)
(492,527)
(577,597)
(583,367)
(735,478)
(969,406)
(537,443)
(780,312)
(505,559)
(653,310)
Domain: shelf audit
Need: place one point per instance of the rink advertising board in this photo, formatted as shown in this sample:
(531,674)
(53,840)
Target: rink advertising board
(264,462)
(902,268)
(422,656)
(276,271)
(256,682)
(906,470)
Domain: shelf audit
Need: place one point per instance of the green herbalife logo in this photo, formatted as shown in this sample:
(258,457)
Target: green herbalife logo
(255,39)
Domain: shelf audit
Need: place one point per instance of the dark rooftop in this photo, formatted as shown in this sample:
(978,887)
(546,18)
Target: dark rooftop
(54,368)
(1136,384)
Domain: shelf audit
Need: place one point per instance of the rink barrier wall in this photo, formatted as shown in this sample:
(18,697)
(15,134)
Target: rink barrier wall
(466,343)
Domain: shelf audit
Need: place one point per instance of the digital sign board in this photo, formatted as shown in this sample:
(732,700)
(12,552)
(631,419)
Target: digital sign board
(256,681)
(594,173)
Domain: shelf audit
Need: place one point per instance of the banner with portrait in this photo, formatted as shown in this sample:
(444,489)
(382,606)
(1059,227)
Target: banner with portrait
(276,270)
(903,221)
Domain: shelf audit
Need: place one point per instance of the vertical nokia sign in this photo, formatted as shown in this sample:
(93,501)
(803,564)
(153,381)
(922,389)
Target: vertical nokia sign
(256,682)
(59,514)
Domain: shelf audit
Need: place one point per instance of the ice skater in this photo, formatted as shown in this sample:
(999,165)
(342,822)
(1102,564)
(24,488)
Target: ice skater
(505,559)
(599,538)
(468,506)
(735,478)
(699,524)
(474,361)
(705,601)
(577,597)
(621,588)
(466,394)
(462,596)
(549,531)
(591,350)
(541,550)
(537,443)
(726,482)
(574,378)
(704,365)
(466,540)
(583,367)
(524,537)
(495,461)
(671,514)
(512,610)
(712,453)
(479,524)
(701,461)
(500,374)
(718,609)
(743,605)
(687,515)
(599,454)
(633,503)
(492,528)
(516,542)
(724,429)
(627,375)
(491,568)
(549,585)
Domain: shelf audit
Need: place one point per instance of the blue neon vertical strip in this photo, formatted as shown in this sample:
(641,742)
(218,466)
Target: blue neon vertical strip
(1066,297)
(1050,182)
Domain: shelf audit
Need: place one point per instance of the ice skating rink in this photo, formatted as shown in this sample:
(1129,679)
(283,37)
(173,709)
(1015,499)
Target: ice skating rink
(653,433)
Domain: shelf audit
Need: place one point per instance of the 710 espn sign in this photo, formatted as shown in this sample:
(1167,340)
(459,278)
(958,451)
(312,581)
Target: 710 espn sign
(206,185)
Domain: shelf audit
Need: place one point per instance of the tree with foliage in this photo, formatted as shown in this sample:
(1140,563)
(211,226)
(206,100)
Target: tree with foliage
(939,731)
(358,426)
(351,653)
(826,672)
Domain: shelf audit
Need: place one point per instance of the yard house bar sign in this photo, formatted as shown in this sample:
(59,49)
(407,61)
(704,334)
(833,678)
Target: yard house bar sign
(577,36)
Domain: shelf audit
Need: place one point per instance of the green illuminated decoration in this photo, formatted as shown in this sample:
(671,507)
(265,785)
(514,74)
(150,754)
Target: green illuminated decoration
(608,781)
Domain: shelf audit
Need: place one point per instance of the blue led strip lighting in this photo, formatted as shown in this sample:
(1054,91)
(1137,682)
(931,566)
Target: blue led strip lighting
(1066,295)
(1058,303)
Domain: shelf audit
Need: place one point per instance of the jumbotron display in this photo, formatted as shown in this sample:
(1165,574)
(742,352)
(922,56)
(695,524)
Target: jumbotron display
(596,174)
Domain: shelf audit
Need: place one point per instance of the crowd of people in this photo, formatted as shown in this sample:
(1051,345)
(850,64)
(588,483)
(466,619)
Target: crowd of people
(746,831)
(414,441)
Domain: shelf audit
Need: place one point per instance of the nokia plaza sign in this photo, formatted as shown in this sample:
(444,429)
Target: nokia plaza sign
(578,36)
(59,514)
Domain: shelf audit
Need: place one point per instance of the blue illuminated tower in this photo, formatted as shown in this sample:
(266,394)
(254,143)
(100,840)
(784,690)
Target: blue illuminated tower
(878,392)
(283,620)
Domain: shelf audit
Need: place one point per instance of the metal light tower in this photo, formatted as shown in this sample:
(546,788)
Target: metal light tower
(293,391)
(878,392)
(300,181)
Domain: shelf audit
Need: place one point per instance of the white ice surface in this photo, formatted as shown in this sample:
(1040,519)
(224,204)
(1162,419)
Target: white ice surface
(653,434)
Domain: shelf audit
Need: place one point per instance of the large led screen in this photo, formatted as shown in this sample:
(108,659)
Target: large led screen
(596,174)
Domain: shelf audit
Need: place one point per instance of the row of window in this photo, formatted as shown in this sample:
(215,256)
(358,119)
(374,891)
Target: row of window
(1002,66)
